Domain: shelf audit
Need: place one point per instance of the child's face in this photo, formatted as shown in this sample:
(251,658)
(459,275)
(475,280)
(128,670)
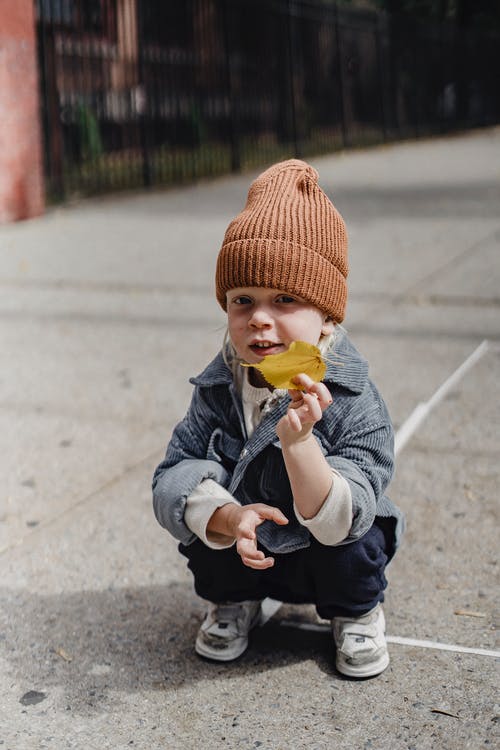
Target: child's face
(266,321)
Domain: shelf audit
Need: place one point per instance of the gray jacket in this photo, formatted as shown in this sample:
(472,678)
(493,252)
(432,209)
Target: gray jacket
(355,435)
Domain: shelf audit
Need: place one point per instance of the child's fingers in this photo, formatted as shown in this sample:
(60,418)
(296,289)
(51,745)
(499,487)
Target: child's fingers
(253,517)
(295,420)
(296,396)
(322,393)
(246,528)
(247,548)
(318,389)
(246,544)
(308,411)
(251,556)
(271,514)
(313,406)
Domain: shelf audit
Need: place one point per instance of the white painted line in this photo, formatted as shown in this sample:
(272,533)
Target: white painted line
(441,646)
(420,412)
(407,429)
(269,607)
(314,627)
(320,627)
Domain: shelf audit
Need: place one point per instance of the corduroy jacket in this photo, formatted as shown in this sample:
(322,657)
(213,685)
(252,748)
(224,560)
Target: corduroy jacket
(355,435)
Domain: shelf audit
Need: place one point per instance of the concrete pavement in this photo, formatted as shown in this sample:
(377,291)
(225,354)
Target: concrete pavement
(106,308)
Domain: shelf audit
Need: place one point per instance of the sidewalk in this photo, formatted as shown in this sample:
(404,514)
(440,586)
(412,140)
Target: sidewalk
(106,309)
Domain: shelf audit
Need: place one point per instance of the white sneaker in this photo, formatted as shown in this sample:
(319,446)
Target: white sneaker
(361,645)
(223,635)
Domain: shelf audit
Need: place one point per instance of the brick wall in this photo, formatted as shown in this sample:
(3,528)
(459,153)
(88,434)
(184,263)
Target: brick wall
(21,173)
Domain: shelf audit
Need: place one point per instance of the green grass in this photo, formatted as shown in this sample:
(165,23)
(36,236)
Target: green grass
(124,170)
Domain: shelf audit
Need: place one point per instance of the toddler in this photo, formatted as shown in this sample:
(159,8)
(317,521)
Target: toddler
(276,493)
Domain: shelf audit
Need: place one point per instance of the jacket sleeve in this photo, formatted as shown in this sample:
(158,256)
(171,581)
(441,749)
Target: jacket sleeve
(364,455)
(186,464)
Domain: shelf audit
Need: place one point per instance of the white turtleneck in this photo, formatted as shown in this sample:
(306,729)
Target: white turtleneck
(329,526)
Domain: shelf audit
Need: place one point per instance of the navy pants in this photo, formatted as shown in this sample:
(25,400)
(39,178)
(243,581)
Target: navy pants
(345,580)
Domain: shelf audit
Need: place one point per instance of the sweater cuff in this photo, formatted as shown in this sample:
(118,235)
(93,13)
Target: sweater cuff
(201,504)
(332,523)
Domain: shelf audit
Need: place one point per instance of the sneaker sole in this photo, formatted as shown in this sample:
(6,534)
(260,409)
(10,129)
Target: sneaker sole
(225,654)
(364,670)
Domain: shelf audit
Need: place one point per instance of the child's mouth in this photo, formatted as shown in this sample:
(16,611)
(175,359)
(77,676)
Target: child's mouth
(263,348)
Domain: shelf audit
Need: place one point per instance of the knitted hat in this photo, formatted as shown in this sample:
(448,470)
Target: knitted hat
(289,236)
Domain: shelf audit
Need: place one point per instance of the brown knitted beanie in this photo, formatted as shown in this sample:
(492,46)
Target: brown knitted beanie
(289,236)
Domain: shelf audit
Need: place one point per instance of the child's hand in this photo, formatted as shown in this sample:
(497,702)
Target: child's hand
(306,408)
(242,522)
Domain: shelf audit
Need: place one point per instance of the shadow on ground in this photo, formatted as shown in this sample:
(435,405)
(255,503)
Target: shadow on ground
(89,646)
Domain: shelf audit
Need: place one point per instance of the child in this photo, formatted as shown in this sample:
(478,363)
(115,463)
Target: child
(281,493)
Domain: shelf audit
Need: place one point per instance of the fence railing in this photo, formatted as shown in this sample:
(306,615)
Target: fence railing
(147,92)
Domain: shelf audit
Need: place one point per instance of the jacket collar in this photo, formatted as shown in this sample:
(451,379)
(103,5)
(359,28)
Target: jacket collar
(345,367)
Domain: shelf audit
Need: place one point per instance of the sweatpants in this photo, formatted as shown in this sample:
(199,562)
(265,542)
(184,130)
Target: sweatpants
(344,580)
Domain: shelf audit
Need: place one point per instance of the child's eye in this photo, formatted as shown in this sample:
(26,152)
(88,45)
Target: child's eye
(242,300)
(286,299)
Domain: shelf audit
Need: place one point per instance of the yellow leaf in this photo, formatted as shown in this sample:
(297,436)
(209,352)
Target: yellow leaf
(280,369)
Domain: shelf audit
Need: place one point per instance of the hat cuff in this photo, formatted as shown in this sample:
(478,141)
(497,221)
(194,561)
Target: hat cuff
(278,264)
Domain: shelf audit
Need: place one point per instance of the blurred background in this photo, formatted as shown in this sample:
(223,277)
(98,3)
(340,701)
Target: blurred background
(104,95)
(107,307)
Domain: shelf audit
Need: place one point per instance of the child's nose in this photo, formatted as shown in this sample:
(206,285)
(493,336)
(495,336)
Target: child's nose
(260,318)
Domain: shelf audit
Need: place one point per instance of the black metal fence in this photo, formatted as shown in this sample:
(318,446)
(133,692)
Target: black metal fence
(147,92)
